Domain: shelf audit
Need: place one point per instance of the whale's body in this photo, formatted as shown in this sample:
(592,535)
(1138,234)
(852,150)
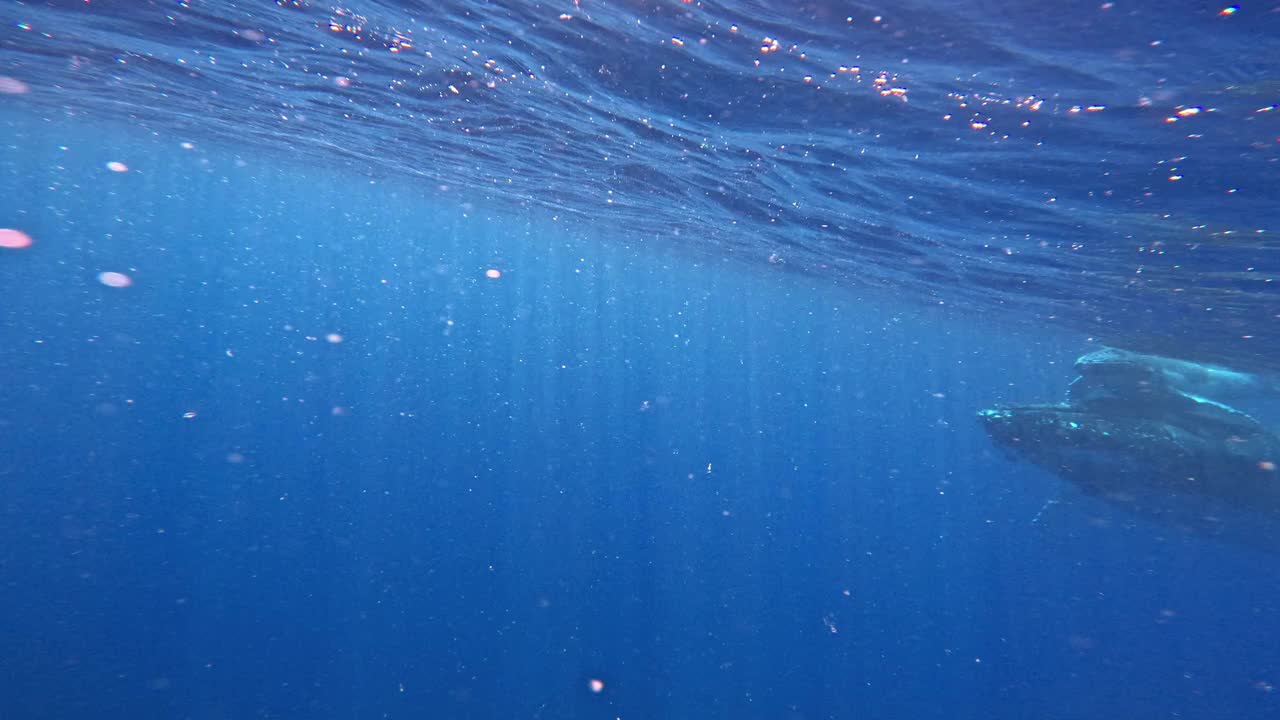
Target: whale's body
(1152,435)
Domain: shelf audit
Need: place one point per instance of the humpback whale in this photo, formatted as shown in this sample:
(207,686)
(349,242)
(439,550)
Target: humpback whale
(1126,372)
(1153,435)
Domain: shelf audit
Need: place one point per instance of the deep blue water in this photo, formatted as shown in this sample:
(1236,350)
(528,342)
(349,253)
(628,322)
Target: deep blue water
(708,438)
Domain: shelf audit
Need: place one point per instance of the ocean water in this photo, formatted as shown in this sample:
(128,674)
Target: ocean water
(595,359)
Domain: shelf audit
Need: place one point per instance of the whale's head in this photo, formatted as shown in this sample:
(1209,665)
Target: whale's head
(1091,449)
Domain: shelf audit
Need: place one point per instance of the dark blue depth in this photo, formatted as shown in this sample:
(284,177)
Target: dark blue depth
(720,492)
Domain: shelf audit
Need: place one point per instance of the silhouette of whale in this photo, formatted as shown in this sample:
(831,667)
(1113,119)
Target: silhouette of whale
(1146,433)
